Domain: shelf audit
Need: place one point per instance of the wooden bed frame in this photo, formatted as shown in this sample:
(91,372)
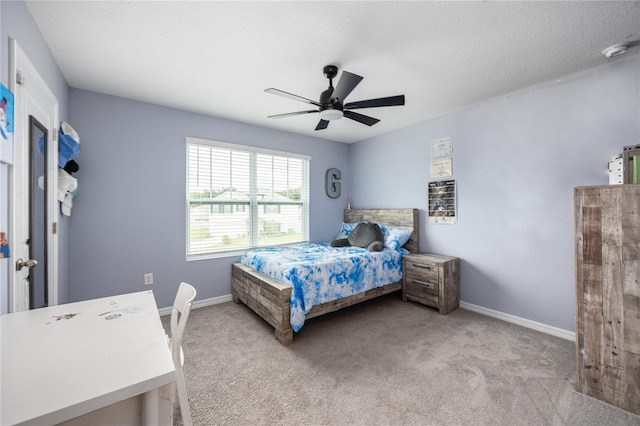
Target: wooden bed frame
(270,298)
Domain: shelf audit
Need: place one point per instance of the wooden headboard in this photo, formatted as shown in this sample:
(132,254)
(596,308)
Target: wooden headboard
(407,218)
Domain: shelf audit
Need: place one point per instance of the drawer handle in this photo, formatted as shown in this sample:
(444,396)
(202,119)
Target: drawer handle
(424,283)
(420,266)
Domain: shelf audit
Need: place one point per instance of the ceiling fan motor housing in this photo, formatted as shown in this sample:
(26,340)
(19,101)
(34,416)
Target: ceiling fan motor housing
(330,71)
(325,97)
(330,109)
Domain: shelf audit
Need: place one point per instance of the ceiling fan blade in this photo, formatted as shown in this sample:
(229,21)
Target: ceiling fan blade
(322,124)
(291,114)
(364,119)
(347,83)
(291,96)
(379,102)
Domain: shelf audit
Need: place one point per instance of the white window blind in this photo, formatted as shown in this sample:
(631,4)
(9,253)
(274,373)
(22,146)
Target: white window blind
(240,197)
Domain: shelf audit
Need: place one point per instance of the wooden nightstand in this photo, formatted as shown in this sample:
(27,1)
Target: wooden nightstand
(431,279)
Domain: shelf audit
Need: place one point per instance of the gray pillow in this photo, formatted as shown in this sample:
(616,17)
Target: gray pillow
(365,235)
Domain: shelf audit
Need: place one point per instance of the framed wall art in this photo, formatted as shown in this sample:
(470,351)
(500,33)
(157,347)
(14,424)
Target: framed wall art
(442,202)
(6,124)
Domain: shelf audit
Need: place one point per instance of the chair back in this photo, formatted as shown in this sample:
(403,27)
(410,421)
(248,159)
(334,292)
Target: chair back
(179,315)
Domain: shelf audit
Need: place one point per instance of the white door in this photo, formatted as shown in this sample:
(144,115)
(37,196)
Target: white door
(34,211)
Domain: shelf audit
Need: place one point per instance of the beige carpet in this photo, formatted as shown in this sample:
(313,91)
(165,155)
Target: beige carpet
(384,362)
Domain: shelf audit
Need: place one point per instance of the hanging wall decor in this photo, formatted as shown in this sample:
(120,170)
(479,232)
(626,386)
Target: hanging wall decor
(332,182)
(442,202)
(6,125)
(441,147)
(5,252)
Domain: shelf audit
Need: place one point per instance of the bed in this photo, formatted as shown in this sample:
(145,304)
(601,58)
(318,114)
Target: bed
(271,298)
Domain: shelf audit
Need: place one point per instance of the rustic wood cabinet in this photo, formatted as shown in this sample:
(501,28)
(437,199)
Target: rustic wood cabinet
(607,243)
(431,279)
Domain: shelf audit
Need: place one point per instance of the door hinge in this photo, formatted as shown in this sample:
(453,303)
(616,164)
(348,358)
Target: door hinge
(54,228)
(19,77)
(55,135)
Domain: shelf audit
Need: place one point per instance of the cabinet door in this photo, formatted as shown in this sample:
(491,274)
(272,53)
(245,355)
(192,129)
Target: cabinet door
(607,243)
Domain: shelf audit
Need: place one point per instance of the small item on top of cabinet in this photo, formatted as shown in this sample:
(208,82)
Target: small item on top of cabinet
(616,171)
(631,164)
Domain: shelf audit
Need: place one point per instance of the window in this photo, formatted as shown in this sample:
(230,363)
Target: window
(241,197)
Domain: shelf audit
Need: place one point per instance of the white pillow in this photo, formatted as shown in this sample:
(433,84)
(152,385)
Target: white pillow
(395,236)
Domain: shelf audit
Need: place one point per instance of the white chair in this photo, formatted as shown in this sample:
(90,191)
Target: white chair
(179,314)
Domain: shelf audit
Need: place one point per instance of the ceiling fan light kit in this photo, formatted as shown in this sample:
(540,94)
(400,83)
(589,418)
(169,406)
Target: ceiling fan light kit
(331,114)
(331,105)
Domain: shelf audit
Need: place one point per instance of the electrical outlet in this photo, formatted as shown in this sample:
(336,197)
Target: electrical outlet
(148,279)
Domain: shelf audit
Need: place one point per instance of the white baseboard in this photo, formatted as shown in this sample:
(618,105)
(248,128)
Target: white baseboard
(538,326)
(200,304)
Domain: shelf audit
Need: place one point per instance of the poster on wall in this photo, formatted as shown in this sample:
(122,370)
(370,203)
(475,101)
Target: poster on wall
(441,147)
(6,125)
(441,168)
(442,202)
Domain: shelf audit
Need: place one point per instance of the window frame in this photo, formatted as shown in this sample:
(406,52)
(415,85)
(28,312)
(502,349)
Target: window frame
(252,206)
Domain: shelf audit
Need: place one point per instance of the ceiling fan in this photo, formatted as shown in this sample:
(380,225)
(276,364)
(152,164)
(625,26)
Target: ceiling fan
(332,106)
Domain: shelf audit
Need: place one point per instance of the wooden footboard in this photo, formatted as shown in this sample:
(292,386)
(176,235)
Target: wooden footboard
(270,298)
(267,297)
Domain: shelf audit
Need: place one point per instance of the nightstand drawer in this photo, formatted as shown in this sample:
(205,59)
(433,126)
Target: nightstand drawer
(433,285)
(422,271)
(427,294)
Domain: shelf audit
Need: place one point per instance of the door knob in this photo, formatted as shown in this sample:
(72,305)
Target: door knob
(29,263)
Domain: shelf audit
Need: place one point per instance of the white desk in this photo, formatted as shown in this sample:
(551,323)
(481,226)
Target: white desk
(114,349)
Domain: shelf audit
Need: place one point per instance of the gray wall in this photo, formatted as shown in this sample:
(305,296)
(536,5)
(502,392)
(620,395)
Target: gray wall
(516,160)
(129,217)
(16,22)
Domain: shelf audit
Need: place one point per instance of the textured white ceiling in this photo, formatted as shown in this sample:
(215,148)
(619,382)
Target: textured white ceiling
(216,58)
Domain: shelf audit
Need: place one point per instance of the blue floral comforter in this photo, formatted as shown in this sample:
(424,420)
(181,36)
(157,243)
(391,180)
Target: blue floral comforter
(320,273)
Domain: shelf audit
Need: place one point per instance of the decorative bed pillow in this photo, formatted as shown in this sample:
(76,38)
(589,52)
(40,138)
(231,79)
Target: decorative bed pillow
(346,229)
(395,237)
(364,235)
